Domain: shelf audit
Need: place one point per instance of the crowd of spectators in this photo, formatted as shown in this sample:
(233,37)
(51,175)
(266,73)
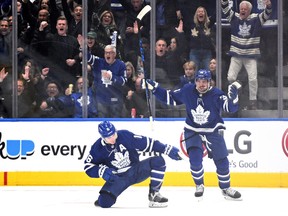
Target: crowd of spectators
(50,44)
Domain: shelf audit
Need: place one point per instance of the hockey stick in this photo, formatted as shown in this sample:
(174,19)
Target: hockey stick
(183,140)
(141,14)
(184,154)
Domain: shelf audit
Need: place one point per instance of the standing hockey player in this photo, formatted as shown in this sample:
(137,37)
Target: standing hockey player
(115,158)
(204,105)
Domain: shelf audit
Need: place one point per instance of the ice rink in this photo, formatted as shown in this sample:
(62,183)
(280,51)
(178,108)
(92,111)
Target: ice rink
(78,200)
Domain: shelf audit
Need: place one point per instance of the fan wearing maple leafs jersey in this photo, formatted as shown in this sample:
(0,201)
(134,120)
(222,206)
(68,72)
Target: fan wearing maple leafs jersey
(246,33)
(115,158)
(204,105)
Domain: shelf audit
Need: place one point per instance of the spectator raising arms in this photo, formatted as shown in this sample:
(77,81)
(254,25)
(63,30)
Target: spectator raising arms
(109,79)
(54,103)
(245,43)
(74,18)
(105,27)
(200,39)
(63,50)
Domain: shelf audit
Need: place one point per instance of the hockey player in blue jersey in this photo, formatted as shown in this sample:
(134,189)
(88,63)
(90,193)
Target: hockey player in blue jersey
(204,105)
(115,158)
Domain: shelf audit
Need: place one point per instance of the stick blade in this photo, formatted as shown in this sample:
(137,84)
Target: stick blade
(143,12)
(182,156)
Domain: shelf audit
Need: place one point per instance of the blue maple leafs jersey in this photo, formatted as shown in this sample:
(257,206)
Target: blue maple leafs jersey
(77,98)
(122,155)
(108,89)
(203,111)
(245,34)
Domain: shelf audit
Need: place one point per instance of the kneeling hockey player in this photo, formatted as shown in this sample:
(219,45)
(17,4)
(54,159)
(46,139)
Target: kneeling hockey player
(115,158)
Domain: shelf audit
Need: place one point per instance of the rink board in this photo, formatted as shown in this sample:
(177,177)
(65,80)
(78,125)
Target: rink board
(171,179)
(52,152)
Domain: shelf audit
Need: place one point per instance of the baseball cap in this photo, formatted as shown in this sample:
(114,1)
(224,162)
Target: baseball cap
(91,34)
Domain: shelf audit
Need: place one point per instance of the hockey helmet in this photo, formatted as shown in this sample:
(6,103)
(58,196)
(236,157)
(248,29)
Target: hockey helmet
(106,129)
(203,74)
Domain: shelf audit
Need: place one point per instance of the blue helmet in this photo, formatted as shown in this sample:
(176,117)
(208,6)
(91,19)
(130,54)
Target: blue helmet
(106,129)
(203,74)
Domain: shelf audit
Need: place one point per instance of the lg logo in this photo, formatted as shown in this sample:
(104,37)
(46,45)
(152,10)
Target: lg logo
(246,143)
(242,144)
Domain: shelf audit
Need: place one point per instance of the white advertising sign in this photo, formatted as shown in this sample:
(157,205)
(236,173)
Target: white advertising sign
(254,146)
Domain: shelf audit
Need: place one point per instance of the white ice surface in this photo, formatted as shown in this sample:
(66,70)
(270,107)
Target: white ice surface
(79,200)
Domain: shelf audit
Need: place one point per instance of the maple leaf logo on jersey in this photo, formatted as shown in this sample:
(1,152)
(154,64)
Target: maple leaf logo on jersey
(121,160)
(81,99)
(260,4)
(194,32)
(200,116)
(207,31)
(244,30)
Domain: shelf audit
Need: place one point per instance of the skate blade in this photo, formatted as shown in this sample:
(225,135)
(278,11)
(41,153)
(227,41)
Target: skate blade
(157,204)
(233,199)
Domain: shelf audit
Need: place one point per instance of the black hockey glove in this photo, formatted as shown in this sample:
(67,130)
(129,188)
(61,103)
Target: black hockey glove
(173,152)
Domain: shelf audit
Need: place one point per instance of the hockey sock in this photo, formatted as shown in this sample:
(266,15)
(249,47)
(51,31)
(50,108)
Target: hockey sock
(223,173)
(196,167)
(158,168)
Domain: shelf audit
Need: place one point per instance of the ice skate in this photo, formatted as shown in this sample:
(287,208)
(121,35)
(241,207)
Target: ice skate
(157,200)
(96,203)
(231,194)
(199,192)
